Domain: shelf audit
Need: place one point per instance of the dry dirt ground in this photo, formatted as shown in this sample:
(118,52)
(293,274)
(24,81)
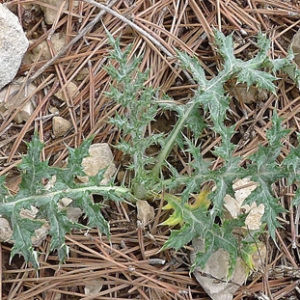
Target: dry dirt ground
(130,266)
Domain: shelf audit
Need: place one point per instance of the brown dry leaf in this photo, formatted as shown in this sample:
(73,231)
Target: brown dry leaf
(145,212)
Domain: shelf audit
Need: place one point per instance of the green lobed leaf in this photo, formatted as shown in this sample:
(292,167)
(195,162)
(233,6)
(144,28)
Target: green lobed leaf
(265,171)
(198,223)
(264,160)
(296,199)
(221,237)
(263,195)
(283,63)
(74,167)
(179,238)
(60,226)
(94,215)
(33,170)
(199,165)
(195,223)
(4,193)
(277,132)
(193,183)
(62,183)
(226,49)
(141,107)
(23,230)
(224,178)
(292,164)
(193,65)
(214,101)
(196,122)
(258,78)
(225,150)
(261,58)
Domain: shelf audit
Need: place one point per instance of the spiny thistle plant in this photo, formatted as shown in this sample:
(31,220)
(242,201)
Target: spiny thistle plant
(141,105)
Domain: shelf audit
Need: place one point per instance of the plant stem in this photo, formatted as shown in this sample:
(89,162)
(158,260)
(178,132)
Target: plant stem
(171,141)
(92,189)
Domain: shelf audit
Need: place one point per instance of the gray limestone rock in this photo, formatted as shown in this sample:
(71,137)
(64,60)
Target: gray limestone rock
(13,45)
(214,277)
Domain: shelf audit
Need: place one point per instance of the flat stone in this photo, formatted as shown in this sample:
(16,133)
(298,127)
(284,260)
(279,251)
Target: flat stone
(11,97)
(71,89)
(60,126)
(5,231)
(100,157)
(214,277)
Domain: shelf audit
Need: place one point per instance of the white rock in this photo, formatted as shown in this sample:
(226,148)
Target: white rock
(93,286)
(5,230)
(73,213)
(100,158)
(25,113)
(29,213)
(41,48)
(255,214)
(50,14)
(60,126)
(214,277)
(145,212)
(71,89)
(82,74)
(40,234)
(13,45)
(12,98)
(235,206)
